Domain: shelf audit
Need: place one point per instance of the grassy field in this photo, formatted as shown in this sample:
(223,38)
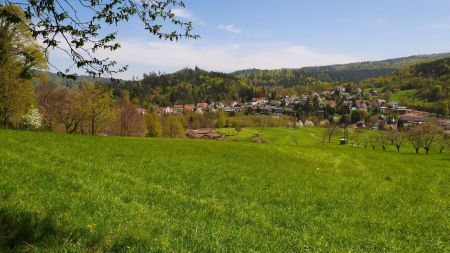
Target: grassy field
(112,194)
(408,97)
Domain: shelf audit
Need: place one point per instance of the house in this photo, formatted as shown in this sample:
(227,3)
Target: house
(346,95)
(178,109)
(382,109)
(188,108)
(142,111)
(338,90)
(360,124)
(235,104)
(413,117)
(381,102)
(325,93)
(203,134)
(314,94)
(212,106)
(445,124)
(288,110)
(278,109)
(167,110)
(401,110)
(393,105)
(228,109)
(361,105)
(202,106)
(332,103)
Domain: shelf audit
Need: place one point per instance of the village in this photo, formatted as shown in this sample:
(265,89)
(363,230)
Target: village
(321,105)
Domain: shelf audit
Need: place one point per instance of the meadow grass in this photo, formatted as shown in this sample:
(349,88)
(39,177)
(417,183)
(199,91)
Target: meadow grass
(85,194)
(408,97)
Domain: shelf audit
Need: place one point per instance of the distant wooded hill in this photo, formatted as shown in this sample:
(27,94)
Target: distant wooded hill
(353,72)
(423,73)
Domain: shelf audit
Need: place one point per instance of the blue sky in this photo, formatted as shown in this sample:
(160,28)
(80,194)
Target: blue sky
(289,33)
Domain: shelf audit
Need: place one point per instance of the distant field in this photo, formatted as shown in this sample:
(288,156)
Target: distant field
(69,193)
(407,97)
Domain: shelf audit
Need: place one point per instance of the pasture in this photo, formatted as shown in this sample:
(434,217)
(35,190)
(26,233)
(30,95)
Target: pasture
(94,194)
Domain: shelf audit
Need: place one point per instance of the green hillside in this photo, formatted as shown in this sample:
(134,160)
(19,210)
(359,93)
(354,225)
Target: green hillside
(112,194)
(353,72)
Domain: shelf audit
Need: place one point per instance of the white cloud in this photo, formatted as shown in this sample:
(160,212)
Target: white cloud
(230,28)
(183,13)
(143,57)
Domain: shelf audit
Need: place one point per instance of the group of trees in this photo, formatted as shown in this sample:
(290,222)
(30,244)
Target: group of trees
(187,86)
(19,55)
(422,136)
(87,109)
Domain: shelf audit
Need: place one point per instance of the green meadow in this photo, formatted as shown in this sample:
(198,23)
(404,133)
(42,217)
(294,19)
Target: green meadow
(71,193)
(408,97)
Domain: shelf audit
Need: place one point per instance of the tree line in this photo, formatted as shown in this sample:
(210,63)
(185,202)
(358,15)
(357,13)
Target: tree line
(421,136)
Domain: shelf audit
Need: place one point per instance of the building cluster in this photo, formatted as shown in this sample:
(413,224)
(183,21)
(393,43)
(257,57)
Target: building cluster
(355,99)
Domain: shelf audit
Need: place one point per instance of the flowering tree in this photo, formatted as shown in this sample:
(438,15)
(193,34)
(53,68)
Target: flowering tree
(33,118)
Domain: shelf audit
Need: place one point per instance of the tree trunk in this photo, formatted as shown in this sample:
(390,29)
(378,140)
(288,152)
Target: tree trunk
(427,149)
(440,150)
(417,150)
(93,125)
(398,148)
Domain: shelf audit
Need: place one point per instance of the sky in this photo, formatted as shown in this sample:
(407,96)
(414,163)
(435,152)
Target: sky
(267,34)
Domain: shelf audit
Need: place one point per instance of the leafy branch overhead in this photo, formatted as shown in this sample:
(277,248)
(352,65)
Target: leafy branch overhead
(77,27)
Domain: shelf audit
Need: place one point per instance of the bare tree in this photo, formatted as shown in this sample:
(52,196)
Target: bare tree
(430,132)
(128,121)
(48,97)
(69,109)
(415,137)
(372,141)
(383,140)
(365,142)
(331,130)
(443,142)
(356,137)
(397,138)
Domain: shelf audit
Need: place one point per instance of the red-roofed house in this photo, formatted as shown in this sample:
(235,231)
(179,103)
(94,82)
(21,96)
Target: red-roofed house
(202,106)
(189,108)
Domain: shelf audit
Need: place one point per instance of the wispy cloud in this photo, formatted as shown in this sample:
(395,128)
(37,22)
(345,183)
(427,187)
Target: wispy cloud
(230,28)
(144,56)
(183,13)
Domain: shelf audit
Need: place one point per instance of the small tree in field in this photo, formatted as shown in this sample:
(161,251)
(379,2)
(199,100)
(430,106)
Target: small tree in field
(153,124)
(173,127)
(383,140)
(415,137)
(356,137)
(430,132)
(397,139)
(365,142)
(330,130)
(295,139)
(443,141)
(33,119)
(372,141)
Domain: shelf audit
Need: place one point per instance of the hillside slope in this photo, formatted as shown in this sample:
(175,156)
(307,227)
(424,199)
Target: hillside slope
(83,194)
(353,72)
